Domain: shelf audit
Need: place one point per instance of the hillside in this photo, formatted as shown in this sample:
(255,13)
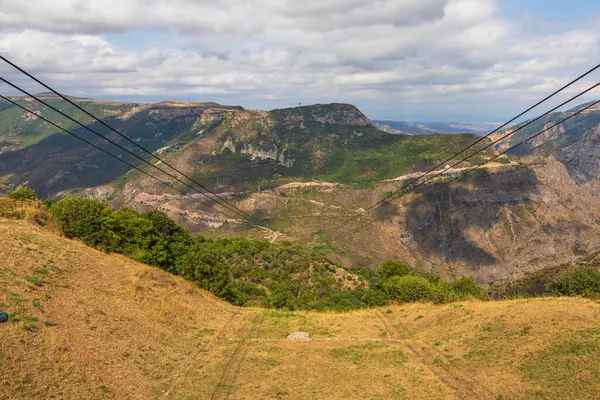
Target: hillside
(32,150)
(574,142)
(227,148)
(85,324)
(504,222)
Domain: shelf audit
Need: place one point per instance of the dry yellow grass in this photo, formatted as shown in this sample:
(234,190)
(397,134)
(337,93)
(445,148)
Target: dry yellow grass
(85,324)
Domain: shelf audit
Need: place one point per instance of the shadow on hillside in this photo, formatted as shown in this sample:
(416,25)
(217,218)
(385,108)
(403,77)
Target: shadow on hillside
(439,222)
(61,161)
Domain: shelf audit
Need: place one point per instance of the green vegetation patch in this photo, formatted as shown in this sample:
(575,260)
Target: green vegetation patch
(376,156)
(248,272)
(242,271)
(581,281)
(22,193)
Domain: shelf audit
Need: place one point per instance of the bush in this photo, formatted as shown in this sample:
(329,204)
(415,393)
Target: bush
(84,219)
(22,193)
(412,288)
(375,298)
(464,288)
(439,294)
(390,268)
(430,276)
(580,282)
(366,274)
(202,270)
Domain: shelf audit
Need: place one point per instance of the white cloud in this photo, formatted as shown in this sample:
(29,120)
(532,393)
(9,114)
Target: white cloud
(385,55)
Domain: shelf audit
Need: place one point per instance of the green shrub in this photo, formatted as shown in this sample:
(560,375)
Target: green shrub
(412,288)
(430,276)
(439,294)
(375,298)
(22,193)
(464,288)
(390,268)
(367,274)
(580,282)
(242,292)
(85,219)
(202,270)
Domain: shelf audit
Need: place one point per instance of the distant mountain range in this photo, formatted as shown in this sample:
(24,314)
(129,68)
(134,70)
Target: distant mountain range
(428,128)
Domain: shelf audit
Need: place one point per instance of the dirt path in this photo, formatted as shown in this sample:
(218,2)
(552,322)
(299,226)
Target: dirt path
(225,387)
(438,366)
(191,362)
(274,235)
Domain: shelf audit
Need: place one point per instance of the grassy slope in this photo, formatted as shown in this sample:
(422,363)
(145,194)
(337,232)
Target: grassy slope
(384,156)
(90,325)
(16,122)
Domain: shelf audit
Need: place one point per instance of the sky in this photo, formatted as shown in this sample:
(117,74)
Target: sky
(425,60)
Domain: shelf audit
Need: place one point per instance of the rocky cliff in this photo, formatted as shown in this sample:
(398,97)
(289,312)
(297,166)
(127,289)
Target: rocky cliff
(573,142)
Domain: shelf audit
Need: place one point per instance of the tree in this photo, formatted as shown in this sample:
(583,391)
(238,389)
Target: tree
(390,268)
(84,219)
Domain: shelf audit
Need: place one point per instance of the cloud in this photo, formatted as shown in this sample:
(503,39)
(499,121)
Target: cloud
(391,57)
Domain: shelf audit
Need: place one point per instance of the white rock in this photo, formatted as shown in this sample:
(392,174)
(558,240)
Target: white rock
(298,336)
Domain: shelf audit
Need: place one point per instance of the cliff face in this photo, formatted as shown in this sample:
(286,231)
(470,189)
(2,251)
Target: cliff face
(503,224)
(573,142)
(582,159)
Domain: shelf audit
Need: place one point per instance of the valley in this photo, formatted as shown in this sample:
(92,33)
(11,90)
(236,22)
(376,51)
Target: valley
(302,171)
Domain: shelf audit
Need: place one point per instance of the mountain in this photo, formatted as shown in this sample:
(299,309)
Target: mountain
(34,152)
(305,171)
(574,142)
(428,128)
(223,146)
(149,124)
(86,324)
